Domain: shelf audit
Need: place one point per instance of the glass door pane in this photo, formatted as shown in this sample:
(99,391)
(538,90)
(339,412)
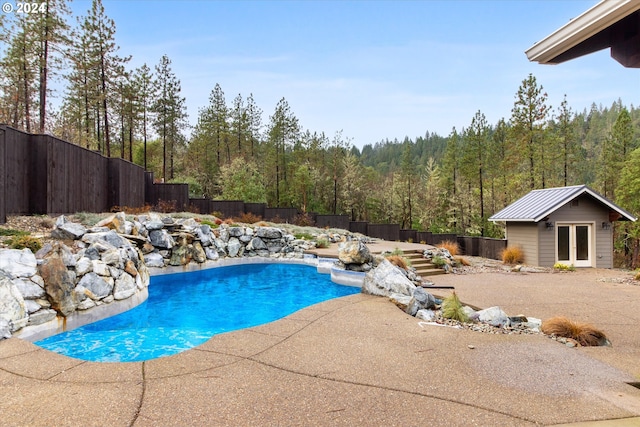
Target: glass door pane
(582,242)
(563,243)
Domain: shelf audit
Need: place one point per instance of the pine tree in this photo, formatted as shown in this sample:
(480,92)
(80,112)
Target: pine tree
(283,132)
(170,113)
(146,92)
(528,117)
(99,68)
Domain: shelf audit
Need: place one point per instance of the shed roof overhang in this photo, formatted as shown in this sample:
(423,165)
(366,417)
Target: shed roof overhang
(610,23)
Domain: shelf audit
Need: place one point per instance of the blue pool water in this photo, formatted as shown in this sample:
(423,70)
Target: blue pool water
(186,309)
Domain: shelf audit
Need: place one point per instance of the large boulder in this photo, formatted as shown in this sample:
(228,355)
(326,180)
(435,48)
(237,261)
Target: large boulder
(387,279)
(12,306)
(96,287)
(494,316)
(125,286)
(269,233)
(354,252)
(58,283)
(65,229)
(18,263)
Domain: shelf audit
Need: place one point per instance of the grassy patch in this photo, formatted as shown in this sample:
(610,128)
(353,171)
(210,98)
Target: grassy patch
(12,232)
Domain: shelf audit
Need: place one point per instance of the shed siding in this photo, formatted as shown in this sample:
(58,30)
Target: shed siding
(546,244)
(587,210)
(524,235)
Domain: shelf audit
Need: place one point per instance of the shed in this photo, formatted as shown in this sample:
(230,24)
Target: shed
(567,225)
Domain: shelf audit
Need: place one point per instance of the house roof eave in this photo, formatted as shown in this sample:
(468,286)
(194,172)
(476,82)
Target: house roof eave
(588,24)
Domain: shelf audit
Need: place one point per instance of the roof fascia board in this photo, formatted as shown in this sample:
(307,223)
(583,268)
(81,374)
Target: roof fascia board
(591,22)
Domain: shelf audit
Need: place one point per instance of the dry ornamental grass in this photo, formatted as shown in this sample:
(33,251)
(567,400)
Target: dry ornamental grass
(584,333)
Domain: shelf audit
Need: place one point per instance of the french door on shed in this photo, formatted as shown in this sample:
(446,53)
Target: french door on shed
(574,244)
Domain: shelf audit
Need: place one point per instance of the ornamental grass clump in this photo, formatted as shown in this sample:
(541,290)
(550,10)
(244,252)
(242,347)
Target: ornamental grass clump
(450,246)
(399,261)
(584,333)
(452,308)
(512,255)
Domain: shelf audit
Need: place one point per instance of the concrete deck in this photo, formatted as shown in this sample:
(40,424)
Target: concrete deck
(359,360)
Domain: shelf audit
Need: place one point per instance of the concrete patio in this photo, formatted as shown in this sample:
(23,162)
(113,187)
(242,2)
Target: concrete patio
(359,360)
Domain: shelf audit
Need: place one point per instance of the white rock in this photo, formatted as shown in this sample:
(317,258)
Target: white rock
(18,262)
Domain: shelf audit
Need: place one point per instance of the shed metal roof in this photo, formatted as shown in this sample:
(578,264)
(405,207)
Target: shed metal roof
(538,204)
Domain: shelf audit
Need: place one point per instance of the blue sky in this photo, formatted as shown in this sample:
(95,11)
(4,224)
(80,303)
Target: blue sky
(373,69)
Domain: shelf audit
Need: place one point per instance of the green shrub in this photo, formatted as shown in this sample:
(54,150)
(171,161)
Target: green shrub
(452,308)
(322,243)
(438,261)
(22,242)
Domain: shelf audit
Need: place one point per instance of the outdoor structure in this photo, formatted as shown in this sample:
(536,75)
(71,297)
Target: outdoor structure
(611,24)
(567,225)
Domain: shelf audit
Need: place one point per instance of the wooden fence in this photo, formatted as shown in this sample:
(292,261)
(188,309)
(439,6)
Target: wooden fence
(40,174)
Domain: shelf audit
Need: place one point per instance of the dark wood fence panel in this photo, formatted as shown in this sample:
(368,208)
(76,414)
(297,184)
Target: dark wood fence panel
(469,245)
(389,232)
(358,227)
(77,178)
(148,188)
(177,194)
(332,221)
(423,237)
(408,236)
(492,248)
(3,174)
(256,209)
(16,158)
(126,184)
(200,205)
(228,208)
(281,214)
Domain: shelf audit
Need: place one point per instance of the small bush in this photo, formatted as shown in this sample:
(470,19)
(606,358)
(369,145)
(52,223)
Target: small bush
(248,218)
(397,251)
(563,267)
(322,243)
(637,276)
(303,220)
(451,246)
(22,242)
(399,261)
(584,333)
(438,261)
(512,255)
(167,206)
(452,308)
(47,222)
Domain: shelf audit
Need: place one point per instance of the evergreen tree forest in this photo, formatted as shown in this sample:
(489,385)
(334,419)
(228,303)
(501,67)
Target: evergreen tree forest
(439,183)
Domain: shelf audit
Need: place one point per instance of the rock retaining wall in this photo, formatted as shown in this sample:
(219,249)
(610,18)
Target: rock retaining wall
(87,274)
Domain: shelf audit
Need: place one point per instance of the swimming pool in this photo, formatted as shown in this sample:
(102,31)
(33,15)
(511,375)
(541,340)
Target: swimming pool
(186,309)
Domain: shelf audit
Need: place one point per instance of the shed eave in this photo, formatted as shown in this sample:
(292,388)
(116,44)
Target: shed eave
(594,20)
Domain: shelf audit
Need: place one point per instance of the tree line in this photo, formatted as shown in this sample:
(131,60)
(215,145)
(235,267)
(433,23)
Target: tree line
(450,183)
